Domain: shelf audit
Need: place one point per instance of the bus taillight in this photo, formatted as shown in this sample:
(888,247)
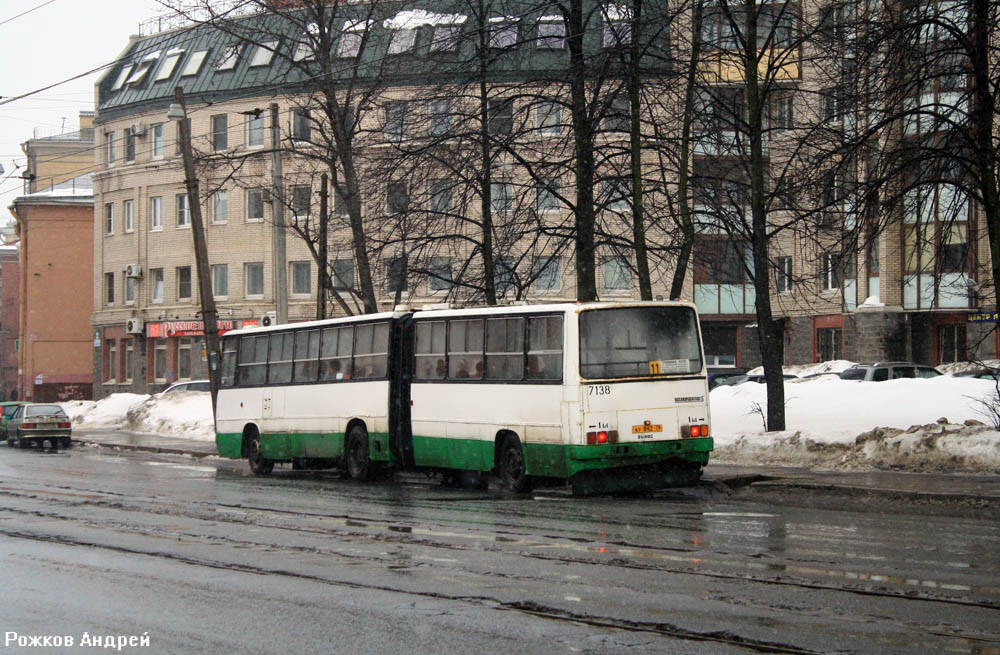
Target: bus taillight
(604,436)
(694,431)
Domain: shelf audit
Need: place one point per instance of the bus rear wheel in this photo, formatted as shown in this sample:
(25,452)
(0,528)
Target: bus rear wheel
(258,464)
(513,467)
(356,453)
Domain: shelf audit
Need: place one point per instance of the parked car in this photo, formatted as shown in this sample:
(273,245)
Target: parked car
(881,371)
(723,378)
(979,374)
(36,423)
(188,385)
(7,409)
(756,377)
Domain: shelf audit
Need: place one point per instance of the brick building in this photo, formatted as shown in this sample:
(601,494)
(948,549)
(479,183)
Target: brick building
(10,295)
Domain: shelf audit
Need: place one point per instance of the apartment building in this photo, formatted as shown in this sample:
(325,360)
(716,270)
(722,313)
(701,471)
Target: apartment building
(879,301)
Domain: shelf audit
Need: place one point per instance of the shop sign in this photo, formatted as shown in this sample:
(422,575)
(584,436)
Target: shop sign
(184,328)
(983,317)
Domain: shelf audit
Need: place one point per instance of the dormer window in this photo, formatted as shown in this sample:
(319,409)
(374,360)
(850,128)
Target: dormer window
(169,64)
(122,76)
(445,38)
(405,24)
(230,55)
(551,33)
(194,63)
(350,38)
(503,32)
(264,53)
(304,48)
(402,41)
(617,26)
(139,74)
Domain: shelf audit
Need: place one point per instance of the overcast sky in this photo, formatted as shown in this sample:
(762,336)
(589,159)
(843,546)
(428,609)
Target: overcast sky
(54,41)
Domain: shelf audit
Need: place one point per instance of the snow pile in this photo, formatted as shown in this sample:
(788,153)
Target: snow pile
(916,424)
(184,414)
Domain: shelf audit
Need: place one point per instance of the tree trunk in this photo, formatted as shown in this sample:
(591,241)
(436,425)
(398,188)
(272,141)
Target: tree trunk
(583,154)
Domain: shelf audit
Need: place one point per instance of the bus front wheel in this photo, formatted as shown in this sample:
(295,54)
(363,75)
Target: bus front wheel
(359,464)
(258,464)
(513,468)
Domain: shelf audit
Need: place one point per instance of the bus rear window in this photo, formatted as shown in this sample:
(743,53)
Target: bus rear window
(632,342)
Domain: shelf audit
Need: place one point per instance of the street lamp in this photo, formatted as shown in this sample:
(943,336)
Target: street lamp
(178,112)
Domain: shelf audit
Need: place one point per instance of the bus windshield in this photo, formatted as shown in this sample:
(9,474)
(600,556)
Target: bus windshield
(631,342)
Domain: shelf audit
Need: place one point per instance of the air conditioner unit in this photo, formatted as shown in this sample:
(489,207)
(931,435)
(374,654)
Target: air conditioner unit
(138,129)
(269,318)
(133,270)
(134,326)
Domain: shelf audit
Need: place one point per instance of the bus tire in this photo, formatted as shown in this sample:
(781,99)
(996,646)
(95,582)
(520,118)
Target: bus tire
(258,464)
(513,466)
(356,455)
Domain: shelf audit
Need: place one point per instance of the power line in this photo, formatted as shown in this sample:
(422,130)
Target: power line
(27,12)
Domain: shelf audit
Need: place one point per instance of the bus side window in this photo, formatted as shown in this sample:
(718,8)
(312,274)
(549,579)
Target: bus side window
(279,367)
(504,348)
(429,350)
(335,353)
(545,348)
(465,349)
(306,355)
(228,375)
(371,350)
(253,360)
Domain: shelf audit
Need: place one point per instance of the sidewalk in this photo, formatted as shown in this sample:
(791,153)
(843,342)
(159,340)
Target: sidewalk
(980,491)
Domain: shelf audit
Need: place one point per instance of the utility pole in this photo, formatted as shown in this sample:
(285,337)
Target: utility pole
(278,215)
(208,312)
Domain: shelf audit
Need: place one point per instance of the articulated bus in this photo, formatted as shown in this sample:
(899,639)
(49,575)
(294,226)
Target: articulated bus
(606,396)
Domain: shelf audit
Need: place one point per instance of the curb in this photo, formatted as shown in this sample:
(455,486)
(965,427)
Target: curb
(144,449)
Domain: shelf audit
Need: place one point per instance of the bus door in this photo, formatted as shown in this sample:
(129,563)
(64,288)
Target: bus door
(401,337)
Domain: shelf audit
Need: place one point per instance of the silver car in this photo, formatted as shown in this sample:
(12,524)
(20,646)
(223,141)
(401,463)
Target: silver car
(37,423)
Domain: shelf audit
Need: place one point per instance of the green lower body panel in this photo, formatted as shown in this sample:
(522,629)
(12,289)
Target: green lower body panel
(229,444)
(302,445)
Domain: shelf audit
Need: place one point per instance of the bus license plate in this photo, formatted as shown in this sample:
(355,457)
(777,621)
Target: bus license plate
(644,429)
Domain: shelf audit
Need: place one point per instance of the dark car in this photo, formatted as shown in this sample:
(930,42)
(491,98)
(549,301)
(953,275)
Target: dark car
(7,410)
(882,371)
(755,377)
(38,423)
(979,374)
(722,378)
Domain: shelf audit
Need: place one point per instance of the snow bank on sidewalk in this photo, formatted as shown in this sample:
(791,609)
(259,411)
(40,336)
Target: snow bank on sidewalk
(181,414)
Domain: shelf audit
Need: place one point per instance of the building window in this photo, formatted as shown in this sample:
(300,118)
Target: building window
(255,205)
(441,116)
(179,143)
(547,196)
(220,280)
(228,57)
(343,274)
(256,130)
(129,290)
(784,279)
(301,278)
(501,196)
(169,64)
(220,132)
(109,288)
(395,275)
(109,218)
(184,358)
(617,118)
(194,63)
(301,126)
(784,113)
(830,271)
(129,210)
(156,213)
(160,360)
(183,282)
(551,34)
(829,342)
(504,276)
(402,40)
(439,274)
(350,39)
(157,131)
(440,196)
(503,33)
(156,284)
(617,274)
(617,194)
(951,343)
(129,145)
(396,120)
(110,142)
(110,360)
(254,273)
(548,118)
(129,345)
(183,212)
(397,198)
(301,201)
(548,273)
(263,54)
(617,31)
(220,207)
(445,38)
(500,114)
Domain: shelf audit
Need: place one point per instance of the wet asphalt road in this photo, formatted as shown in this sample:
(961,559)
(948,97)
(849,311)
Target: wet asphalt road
(204,558)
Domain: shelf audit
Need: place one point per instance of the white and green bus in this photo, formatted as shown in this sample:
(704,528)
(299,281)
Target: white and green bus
(607,396)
